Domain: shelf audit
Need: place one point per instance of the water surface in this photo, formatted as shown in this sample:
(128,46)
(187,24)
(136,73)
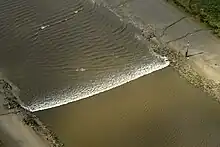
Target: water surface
(59,51)
(157,110)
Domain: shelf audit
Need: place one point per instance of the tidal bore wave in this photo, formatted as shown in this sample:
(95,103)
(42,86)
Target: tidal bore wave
(100,86)
(60,51)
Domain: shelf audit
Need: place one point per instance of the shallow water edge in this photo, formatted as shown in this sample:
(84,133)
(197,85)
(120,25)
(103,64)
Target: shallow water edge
(186,69)
(11,108)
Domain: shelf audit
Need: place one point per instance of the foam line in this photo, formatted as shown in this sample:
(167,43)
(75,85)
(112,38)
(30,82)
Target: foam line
(111,82)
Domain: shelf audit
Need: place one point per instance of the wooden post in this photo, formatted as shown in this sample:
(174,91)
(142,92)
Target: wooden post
(186,54)
(187,50)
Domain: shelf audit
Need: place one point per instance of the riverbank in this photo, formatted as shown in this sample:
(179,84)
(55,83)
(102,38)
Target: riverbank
(19,127)
(207,11)
(186,69)
(174,31)
(199,68)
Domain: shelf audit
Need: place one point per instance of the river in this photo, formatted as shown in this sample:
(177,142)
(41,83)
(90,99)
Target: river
(60,52)
(157,110)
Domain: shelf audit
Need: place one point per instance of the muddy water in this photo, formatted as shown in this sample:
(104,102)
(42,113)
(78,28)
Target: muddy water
(158,110)
(59,51)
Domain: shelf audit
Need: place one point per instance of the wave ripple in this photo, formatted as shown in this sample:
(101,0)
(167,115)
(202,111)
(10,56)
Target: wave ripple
(58,52)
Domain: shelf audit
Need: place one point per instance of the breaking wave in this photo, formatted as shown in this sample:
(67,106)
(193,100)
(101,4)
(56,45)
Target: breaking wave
(108,83)
(69,50)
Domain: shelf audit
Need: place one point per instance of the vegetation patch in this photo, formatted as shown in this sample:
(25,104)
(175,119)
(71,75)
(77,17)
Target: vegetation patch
(208,11)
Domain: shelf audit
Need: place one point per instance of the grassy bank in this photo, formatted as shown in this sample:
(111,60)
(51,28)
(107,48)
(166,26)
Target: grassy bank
(208,11)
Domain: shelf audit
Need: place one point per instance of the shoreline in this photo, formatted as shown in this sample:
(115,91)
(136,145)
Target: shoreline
(14,120)
(186,69)
(196,69)
(187,66)
(41,134)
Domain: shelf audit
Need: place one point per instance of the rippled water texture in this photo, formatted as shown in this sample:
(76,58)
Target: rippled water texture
(59,51)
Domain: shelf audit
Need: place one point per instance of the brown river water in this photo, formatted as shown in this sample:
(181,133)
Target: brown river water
(62,51)
(157,110)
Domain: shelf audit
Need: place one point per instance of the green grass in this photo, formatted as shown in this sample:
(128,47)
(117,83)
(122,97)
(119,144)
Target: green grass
(207,10)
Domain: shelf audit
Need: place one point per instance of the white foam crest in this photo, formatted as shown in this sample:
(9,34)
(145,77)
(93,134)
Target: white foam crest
(108,83)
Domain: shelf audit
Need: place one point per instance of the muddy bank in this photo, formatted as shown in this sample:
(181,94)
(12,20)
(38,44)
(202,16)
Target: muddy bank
(162,42)
(186,68)
(205,11)
(11,105)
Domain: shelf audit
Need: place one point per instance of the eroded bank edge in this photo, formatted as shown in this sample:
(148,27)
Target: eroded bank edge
(12,105)
(186,69)
(153,39)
